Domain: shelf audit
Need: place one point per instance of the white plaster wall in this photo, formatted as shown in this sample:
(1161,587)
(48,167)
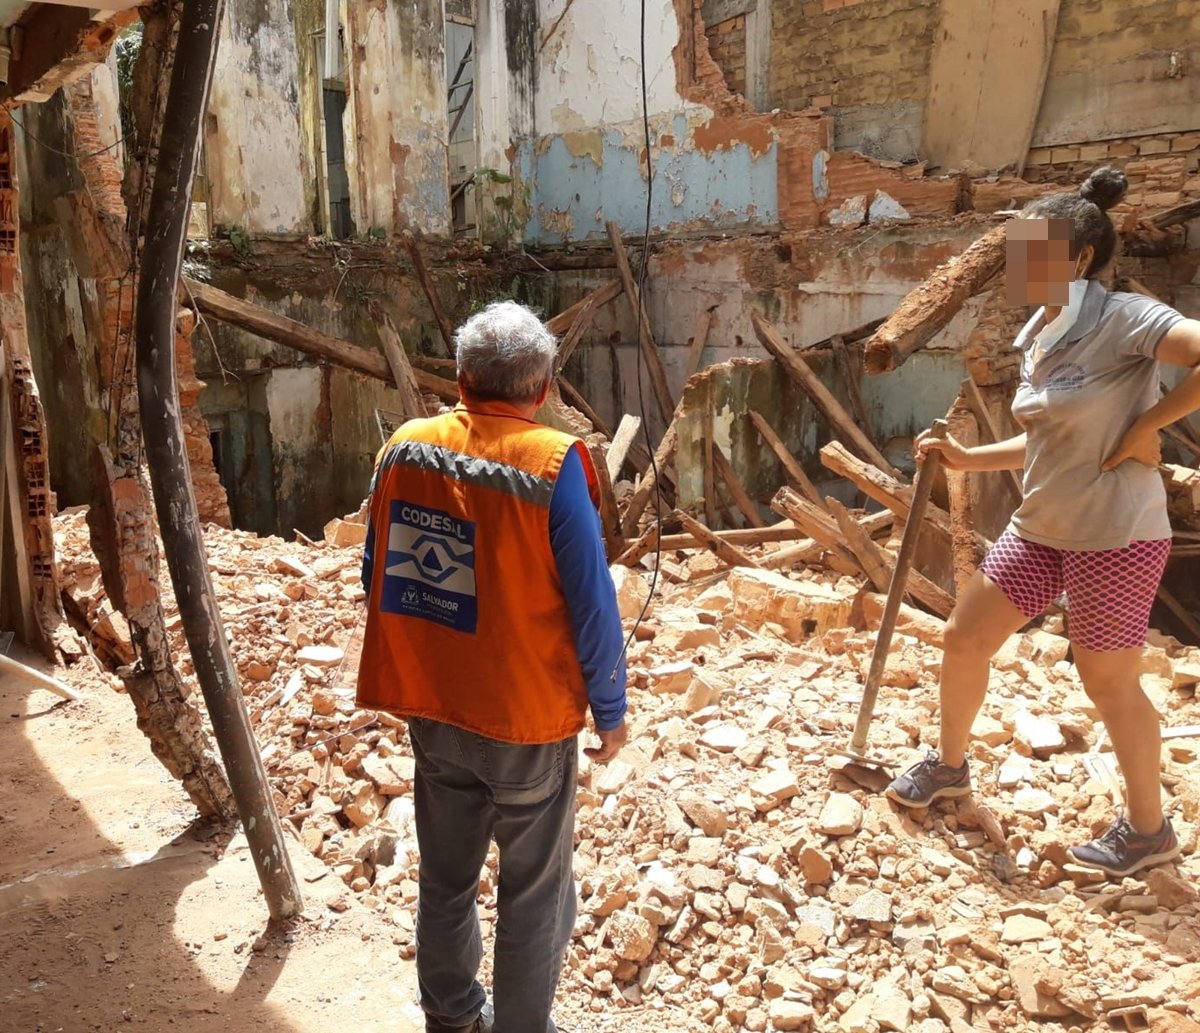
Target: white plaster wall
(590,71)
(257,170)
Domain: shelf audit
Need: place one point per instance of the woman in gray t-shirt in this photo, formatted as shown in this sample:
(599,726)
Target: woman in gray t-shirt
(1093,515)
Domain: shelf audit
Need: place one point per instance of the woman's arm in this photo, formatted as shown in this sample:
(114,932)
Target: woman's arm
(1180,346)
(1003,455)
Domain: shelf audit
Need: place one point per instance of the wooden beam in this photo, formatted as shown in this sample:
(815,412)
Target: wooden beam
(610,520)
(403,375)
(928,308)
(648,349)
(214,303)
(841,355)
(791,466)
(841,423)
(816,522)
(698,343)
(1176,215)
(597,299)
(20,577)
(663,455)
(730,554)
(987,426)
(427,285)
(571,341)
(1180,611)
(709,472)
(576,399)
(645,544)
(737,490)
(622,441)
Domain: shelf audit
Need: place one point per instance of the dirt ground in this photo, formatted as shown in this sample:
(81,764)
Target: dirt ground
(116,913)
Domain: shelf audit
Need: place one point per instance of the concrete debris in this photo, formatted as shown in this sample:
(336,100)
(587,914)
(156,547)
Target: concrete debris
(725,867)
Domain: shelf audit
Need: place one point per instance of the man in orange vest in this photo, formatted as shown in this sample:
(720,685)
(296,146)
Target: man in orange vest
(492,626)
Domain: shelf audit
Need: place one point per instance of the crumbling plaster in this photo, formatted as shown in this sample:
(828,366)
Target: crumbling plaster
(259,174)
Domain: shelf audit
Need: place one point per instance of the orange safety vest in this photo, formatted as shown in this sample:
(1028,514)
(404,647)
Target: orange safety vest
(467,623)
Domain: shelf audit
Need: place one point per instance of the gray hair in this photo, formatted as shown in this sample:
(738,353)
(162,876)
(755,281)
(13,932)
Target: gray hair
(505,353)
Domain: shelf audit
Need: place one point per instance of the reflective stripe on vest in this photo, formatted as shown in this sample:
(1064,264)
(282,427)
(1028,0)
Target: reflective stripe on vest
(485,473)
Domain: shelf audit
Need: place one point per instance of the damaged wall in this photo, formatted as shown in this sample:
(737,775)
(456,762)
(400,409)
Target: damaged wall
(259,170)
(396,136)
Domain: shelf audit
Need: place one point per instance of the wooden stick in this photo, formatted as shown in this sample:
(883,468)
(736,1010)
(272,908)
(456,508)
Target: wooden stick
(575,334)
(737,490)
(642,547)
(1180,213)
(596,299)
(987,426)
(932,305)
(663,455)
(14,667)
(579,402)
(965,560)
(710,479)
(741,536)
(731,554)
(648,350)
(841,355)
(839,420)
(397,358)
(225,308)
(1180,611)
(817,523)
(791,467)
(610,520)
(622,441)
(699,343)
(435,303)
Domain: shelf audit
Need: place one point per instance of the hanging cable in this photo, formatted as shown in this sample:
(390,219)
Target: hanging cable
(641,357)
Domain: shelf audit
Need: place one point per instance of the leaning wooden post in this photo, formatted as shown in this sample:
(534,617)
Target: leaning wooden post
(166,453)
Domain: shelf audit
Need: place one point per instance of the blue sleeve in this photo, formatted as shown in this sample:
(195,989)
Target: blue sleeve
(368,556)
(591,597)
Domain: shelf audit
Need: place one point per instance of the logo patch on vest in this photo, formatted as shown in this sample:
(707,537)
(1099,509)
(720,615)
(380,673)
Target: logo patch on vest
(430,569)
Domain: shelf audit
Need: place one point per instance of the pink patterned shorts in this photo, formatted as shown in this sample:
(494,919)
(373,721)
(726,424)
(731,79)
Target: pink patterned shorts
(1109,593)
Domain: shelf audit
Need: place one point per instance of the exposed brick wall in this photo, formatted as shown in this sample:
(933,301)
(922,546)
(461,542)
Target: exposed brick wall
(727,47)
(850,53)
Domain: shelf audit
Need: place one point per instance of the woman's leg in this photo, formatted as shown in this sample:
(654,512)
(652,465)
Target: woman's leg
(981,622)
(1111,681)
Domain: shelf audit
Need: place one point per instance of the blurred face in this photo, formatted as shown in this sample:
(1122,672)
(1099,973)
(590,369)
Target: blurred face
(1039,267)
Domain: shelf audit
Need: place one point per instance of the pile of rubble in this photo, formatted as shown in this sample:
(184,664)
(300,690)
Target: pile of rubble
(731,866)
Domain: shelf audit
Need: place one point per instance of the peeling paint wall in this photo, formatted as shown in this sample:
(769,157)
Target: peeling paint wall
(260,176)
(397,128)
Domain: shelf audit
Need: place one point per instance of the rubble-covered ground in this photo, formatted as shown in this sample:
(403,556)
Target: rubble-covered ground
(732,868)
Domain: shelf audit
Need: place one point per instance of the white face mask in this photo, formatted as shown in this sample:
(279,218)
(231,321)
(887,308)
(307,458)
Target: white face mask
(1055,331)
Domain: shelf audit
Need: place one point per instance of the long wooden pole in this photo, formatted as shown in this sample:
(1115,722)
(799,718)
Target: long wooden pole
(166,453)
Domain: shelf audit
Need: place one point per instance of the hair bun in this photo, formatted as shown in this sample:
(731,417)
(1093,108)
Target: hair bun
(1105,187)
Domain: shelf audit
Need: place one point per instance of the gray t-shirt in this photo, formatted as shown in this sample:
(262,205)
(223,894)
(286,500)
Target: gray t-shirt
(1075,404)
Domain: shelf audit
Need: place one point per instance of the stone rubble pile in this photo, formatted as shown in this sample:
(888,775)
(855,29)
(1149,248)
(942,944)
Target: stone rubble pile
(733,868)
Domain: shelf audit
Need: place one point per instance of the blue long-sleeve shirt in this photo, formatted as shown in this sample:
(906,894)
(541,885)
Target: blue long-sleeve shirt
(587,586)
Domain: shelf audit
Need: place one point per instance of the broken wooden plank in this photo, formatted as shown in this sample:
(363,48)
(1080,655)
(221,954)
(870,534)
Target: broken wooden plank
(710,469)
(1180,611)
(698,343)
(1176,215)
(435,302)
(816,522)
(577,400)
(730,554)
(930,307)
(663,455)
(610,518)
(569,343)
(839,420)
(225,308)
(596,299)
(862,545)
(403,374)
(737,490)
(648,350)
(987,426)
(621,442)
(858,409)
(791,466)
(645,544)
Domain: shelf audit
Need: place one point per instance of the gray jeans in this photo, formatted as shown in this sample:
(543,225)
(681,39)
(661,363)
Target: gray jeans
(468,790)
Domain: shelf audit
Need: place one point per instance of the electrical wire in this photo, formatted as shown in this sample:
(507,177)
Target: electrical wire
(654,471)
(65,154)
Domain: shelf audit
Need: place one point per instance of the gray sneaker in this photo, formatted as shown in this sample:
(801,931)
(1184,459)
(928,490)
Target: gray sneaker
(1122,850)
(929,780)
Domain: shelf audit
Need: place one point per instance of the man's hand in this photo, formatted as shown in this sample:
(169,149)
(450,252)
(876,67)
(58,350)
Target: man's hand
(1141,444)
(610,744)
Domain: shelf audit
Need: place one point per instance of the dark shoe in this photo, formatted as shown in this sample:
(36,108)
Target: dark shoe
(930,780)
(1122,850)
(481,1024)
